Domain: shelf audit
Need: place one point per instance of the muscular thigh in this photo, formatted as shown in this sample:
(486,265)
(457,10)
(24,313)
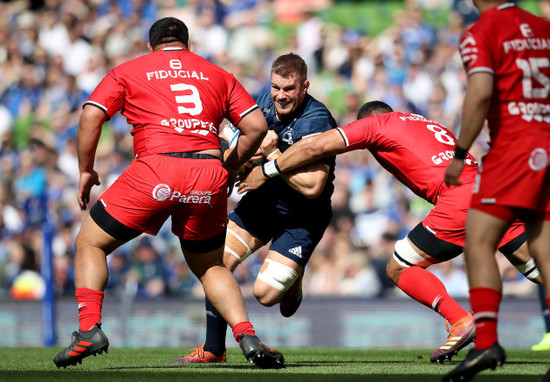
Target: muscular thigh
(239,244)
(276,277)
(420,248)
(92,234)
(433,249)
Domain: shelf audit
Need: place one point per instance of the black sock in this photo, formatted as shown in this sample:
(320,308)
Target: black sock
(544,307)
(216,329)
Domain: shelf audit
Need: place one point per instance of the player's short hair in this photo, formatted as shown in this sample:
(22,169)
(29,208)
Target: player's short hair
(290,64)
(166,30)
(373,107)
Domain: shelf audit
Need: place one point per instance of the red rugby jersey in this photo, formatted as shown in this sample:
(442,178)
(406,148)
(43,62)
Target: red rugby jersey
(514,46)
(412,148)
(174,99)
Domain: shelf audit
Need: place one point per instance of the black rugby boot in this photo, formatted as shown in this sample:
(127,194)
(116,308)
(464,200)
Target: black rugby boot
(83,344)
(259,354)
(476,361)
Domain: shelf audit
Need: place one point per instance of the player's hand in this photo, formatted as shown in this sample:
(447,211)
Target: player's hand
(454,169)
(256,159)
(270,143)
(252,181)
(88,179)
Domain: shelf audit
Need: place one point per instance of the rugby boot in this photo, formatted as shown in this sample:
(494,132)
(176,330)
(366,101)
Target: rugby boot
(462,333)
(83,344)
(199,355)
(477,360)
(545,377)
(292,299)
(259,354)
(543,345)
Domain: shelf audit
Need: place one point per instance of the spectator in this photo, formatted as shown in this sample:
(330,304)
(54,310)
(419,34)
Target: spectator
(359,278)
(310,41)
(40,89)
(119,271)
(148,271)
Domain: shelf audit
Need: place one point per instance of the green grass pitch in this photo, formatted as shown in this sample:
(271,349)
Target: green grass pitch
(303,364)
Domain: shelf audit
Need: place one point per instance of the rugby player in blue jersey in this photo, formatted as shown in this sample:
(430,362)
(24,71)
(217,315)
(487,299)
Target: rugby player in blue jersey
(281,210)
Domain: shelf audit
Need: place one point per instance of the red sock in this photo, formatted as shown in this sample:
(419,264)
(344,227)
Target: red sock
(485,303)
(245,327)
(426,288)
(89,307)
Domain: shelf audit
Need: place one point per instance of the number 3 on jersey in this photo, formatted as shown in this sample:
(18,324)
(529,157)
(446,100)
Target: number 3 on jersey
(187,103)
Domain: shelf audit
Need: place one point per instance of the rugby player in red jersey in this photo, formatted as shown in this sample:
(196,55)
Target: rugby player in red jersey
(506,54)
(416,151)
(175,101)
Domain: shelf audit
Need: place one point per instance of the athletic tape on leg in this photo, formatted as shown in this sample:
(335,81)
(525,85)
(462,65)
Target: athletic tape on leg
(236,246)
(278,275)
(405,254)
(529,269)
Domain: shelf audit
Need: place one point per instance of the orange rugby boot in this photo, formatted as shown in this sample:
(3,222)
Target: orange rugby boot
(199,355)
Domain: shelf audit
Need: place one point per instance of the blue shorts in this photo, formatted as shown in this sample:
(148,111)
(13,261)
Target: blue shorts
(294,231)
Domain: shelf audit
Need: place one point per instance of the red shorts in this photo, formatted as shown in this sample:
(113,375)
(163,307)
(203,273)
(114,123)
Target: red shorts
(447,220)
(516,175)
(192,191)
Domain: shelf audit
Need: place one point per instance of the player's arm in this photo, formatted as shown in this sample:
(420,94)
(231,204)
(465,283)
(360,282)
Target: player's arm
(303,152)
(474,111)
(253,128)
(308,180)
(224,143)
(475,107)
(89,130)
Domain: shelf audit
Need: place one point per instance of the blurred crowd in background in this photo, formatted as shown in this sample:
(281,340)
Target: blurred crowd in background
(53,54)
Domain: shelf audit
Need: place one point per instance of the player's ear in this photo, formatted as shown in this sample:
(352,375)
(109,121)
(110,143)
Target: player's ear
(149,47)
(306,86)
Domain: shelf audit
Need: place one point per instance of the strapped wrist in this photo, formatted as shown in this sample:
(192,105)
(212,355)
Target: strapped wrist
(460,153)
(271,169)
(274,153)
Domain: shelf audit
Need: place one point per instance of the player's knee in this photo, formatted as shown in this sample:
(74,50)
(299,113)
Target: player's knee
(82,244)
(405,255)
(278,275)
(266,295)
(393,270)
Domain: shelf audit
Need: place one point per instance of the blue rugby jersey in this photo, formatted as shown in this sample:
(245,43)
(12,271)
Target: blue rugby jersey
(312,117)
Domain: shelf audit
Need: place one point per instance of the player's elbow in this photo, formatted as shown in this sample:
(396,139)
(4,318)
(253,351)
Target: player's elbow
(312,192)
(317,182)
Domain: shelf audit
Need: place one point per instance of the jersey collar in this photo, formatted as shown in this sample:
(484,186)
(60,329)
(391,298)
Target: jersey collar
(506,5)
